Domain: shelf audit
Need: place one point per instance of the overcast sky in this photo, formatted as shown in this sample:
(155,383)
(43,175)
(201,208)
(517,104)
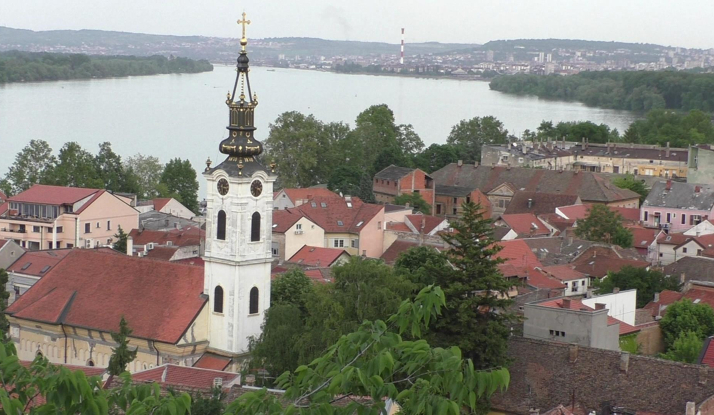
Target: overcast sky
(684,23)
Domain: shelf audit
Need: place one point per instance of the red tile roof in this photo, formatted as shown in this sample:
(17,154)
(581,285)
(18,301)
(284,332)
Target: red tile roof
(197,261)
(579,306)
(643,237)
(285,219)
(178,237)
(38,261)
(191,377)
(302,194)
(4,207)
(162,253)
(88,370)
(539,280)
(92,289)
(576,212)
(398,227)
(517,253)
(317,257)
(526,224)
(707,355)
(3,197)
(666,298)
(336,211)
(159,203)
(2,242)
(317,275)
(699,294)
(53,195)
(564,272)
(212,361)
(597,261)
(397,247)
(430,222)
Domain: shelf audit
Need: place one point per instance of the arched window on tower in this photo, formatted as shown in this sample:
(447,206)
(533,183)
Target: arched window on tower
(218,299)
(221,226)
(255,227)
(253,309)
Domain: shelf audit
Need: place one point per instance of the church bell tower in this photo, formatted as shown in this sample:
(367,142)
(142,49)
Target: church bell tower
(239,220)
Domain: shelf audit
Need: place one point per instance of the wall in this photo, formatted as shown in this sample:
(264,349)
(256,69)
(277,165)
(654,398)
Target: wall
(397,215)
(385,190)
(9,253)
(650,339)
(547,374)
(586,328)
(627,203)
(282,201)
(704,228)
(312,235)
(174,207)
(621,306)
(21,281)
(701,166)
(105,208)
(371,237)
(675,224)
(581,287)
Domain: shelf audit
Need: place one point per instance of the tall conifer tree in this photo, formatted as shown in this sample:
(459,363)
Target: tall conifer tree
(121,355)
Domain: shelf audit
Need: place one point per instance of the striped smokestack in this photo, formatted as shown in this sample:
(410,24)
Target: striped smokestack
(401,60)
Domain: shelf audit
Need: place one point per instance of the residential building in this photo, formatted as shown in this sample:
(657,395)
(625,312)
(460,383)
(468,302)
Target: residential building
(576,283)
(677,206)
(189,379)
(499,184)
(698,292)
(395,181)
(570,321)
(597,260)
(290,198)
(9,252)
(701,164)
(645,241)
(47,217)
(539,203)
(28,268)
(449,201)
(620,305)
(314,256)
(167,205)
(522,225)
(158,221)
(291,231)
(420,229)
(692,268)
(673,247)
(144,240)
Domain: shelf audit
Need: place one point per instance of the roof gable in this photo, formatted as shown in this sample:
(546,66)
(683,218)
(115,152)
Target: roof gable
(316,256)
(340,215)
(525,224)
(393,172)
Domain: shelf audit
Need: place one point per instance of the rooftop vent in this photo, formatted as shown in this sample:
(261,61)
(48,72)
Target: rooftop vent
(217,382)
(45,269)
(26,266)
(323,205)
(340,223)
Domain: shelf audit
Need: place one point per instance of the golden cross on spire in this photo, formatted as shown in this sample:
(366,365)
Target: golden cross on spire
(243,40)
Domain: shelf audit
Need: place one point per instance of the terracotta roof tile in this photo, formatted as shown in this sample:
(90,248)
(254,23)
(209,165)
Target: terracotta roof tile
(3,197)
(335,215)
(541,203)
(160,300)
(159,203)
(191,377)
(597,261)
(564,272)
(162,253)
(88,370)
(212,361)
(53,195)
(4,207)
(398,227)
(315,256)
(576,212)
(38,263)
(539,280)
(517,253)
(391,254)
(430,222)
(707,355)
(178,237)
(303,194)
(285,219)
(666,297)
(643,237)
(526,224)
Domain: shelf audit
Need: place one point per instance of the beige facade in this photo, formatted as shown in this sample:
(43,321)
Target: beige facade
(301,233)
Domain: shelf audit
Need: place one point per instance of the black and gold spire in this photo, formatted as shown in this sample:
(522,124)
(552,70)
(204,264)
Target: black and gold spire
(241,145)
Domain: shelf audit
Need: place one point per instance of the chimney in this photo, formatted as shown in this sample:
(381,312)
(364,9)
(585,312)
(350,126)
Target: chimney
(690,409)
(460,163)
(697,189)
(616,290)
(599,306)
(682,278)
(589,293)
(666,153)
(582,146)
(530,203)
(573,353)
(570,240)
(475,163)
(508,166)
(129,245)
(624,361)
(534,411)
(566,303)
(656,298)
(176,225)
(668,186)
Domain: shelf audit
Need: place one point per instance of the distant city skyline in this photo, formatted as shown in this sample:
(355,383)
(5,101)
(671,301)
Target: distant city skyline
(661,22)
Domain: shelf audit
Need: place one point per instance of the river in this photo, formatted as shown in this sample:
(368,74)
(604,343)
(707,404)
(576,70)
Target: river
(184,115)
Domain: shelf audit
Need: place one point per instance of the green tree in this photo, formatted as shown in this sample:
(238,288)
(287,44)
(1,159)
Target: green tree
(604,225)
(31,166)
(374,137)
(75,168)
(420,264)
(353,181)
(376,361)
(6,187)
(120,239)
(476,319)
(686,348)
(630,182)
(646,282)
(280,346)
(4,296)
(290,288)
(470,135)
(208,405)
(684,316)
(121,355)
(436,156)
(408,140)
(148,171)
(180,178)
(116,177)
(415,200)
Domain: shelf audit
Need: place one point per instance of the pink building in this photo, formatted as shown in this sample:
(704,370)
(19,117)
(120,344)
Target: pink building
(677,206)
(50,217)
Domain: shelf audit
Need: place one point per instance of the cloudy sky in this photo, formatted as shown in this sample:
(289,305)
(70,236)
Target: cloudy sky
(668,22)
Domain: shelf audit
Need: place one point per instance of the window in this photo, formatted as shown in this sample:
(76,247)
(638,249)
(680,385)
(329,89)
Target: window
(87,228)
(456,200)
(355,243)
(338,243)
(379,225)
(253,309)
(218,299)
(276,249)
(36,229)
(255,227)
(646,215)
(59,229)
(454,211)
(684,219)
(684,250)
(90,362)
(97,225)
(298,226)
(438,208)
(552,332)
(221,226)
(660,255)
(340,223)
(109,225)
(669,218)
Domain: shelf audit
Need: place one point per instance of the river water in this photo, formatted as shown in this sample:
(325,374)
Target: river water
(185,115)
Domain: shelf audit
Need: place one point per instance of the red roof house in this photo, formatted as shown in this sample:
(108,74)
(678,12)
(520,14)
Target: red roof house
(523,225)
(319,257)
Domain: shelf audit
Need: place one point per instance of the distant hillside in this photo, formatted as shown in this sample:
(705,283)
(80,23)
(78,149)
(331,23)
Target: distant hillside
(100,42)
(551,44)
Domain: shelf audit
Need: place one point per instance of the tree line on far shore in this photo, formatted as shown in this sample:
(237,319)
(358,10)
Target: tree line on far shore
(16,66)
(74,166)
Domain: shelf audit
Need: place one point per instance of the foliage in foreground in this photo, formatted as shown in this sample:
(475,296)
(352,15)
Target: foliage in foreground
(375,361)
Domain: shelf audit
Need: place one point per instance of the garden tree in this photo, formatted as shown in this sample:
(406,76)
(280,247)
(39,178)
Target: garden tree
(121,355)
(374,130)
(31,166)
(528,135)
(470,135)
(685,316)
(75,167)
(6,187)
(387,156)
(577,130)
(4,295)
(290,288)
(293,143)
(415,201)
(351,180)
(180,178)
(435,157)
(630,182)
(408,140)
(546,130)
(120,239)
(211,405)
(476,319)
(686,348)
(376,361)
(147,170)
(280,346)
(116,177)
(604,225)
(646,282)
(43,388)
(419,265)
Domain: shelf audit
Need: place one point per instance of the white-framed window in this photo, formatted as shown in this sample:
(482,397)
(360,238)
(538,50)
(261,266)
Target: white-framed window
(338,243)
(298,227)
(355,243)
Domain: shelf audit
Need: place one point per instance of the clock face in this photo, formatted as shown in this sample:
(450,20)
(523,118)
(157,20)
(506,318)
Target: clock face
(256,188)
(223,187)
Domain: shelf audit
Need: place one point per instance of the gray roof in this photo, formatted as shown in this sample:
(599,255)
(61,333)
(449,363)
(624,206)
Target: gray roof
(681,196)
(454,191)
(589,186)
(158,221)
(393,173)
(693,268)
(540,202)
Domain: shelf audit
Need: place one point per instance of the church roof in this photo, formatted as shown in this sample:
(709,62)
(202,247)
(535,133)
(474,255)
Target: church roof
(90,289)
